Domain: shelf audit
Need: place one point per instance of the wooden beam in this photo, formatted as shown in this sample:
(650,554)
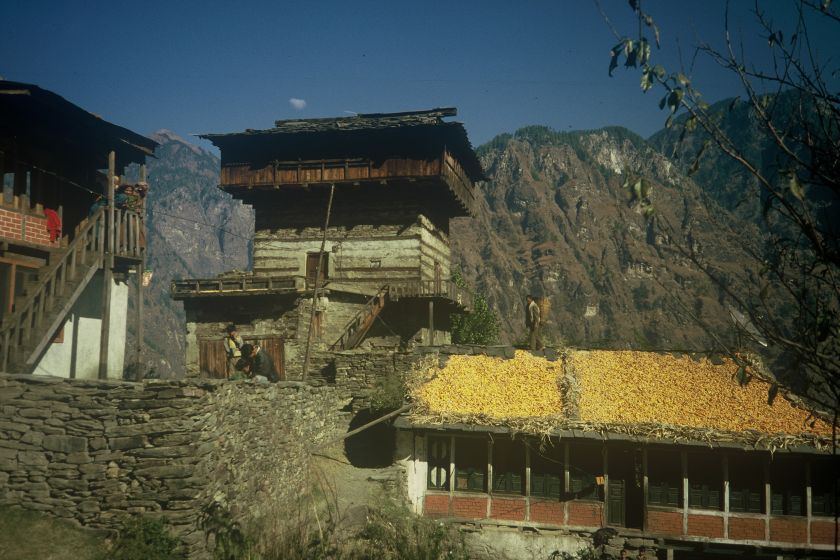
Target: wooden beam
(431,322)
(315,287)
(141,268)
(108,275)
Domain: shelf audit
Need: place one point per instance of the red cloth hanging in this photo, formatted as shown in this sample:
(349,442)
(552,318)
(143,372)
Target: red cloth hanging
(53,224)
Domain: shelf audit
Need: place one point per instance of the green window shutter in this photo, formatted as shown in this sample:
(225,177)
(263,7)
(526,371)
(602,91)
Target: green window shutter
(616,503)
(794,504)
(777,504)
(754,502)
(695,496)
(713,499)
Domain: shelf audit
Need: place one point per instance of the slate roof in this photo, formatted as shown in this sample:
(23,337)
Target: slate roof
(36,119)
(415,129)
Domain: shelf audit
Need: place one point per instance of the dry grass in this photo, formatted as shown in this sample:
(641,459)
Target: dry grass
(27,535)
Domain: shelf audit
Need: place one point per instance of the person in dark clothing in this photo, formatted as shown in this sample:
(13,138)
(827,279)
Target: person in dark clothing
(262,364)
(258,364)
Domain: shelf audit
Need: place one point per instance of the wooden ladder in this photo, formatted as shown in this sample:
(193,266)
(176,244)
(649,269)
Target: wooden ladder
(30,327)
(354,332)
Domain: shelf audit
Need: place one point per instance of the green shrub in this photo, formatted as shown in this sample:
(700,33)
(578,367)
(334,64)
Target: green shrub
(394,533)
(388,393)
(144,538)
(480,325)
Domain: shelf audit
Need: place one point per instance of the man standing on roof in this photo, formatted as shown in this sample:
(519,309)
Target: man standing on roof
(533,322)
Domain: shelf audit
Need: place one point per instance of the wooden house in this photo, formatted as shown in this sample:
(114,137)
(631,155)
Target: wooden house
(64,258)
(372,194)
(660,448)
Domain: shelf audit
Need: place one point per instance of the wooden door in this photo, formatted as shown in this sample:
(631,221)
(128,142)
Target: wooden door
(212,359)
(273,346)
(616,502)
(312,267)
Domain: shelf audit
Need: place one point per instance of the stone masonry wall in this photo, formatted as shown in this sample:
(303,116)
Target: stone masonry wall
(95,451)
(357,374)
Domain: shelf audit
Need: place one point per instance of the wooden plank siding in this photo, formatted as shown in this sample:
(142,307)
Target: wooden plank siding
(213,359)
(388,253)
(445,169)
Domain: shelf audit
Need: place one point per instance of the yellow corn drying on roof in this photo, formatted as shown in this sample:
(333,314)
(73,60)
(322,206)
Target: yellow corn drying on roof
(494,387)
(607,390)
(627,387)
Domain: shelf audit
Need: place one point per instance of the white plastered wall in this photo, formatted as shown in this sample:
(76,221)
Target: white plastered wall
(77,356)
(411,455)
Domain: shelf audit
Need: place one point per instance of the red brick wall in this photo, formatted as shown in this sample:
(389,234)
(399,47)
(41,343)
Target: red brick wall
(547,511)
(10,224)
(822,532)
(11,227)
(788,530)
(507,508)
(665,522)
(705,526)
(469,507)
(586,514)
(742,528)
(36,230)
(436,506)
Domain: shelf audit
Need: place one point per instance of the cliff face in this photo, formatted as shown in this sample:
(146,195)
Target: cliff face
(555,220)
(194,230)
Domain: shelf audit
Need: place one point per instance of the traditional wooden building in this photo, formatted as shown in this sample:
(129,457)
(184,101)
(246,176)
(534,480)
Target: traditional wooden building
(373,195)
(64,260)
(661,448)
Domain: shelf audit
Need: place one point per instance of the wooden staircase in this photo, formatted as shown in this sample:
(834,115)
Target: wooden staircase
(25,333)
(354,332)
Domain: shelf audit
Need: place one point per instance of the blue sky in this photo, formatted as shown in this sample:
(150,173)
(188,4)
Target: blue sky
(221,66)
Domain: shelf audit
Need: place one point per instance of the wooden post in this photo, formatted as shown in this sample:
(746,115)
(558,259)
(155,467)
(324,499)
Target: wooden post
(431,322)
(606,458)
(726,488)
(141,269)
(645,486)
(108,275)
(315,287)
(527,482)
(489,478)
(684,467)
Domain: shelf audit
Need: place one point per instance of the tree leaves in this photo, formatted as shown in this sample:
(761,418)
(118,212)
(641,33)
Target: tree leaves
(675,98)
(796,187)
(636,53)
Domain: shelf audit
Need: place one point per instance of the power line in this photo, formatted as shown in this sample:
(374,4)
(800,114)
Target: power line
(149,210)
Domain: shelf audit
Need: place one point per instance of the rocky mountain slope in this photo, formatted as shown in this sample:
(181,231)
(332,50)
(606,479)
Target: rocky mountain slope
(194,230)
(556,221)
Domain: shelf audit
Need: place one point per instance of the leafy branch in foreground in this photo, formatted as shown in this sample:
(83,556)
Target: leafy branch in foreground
(790,302)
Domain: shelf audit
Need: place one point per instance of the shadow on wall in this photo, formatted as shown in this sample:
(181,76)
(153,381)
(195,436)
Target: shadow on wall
(372,448)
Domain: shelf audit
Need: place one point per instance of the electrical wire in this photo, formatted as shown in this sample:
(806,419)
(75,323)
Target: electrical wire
(147,208)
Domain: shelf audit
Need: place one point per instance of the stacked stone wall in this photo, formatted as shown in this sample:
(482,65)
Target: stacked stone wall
(96,451)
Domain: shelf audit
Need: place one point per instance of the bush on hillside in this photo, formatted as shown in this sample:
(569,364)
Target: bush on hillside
(144,538)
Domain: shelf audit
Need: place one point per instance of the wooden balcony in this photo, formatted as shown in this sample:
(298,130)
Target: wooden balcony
(245,285)
(440,289)
(444,169)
